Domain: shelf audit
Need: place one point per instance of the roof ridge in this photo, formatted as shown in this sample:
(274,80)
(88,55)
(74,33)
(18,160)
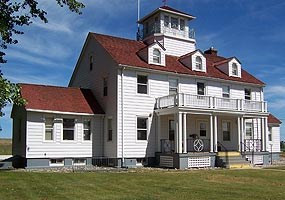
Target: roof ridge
(116,37)
(53,86)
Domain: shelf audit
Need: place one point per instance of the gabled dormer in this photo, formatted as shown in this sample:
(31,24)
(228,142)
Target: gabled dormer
(230,66)
(153,54)
(195,60)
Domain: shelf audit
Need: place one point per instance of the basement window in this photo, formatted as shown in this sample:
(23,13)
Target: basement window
(79,162)
(57,162)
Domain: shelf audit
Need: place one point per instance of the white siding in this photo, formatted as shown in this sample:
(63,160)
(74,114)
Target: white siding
(275,140)
(38,147)
(173,46)
(103,67)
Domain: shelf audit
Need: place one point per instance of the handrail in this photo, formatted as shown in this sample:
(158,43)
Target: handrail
(222,146)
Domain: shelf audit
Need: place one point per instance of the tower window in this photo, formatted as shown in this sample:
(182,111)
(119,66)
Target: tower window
(198,63)
(182,24)
(234,69)
(166,20)
(156,56)
(174,22)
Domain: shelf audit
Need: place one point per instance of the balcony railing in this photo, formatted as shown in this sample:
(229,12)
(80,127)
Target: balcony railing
(157,28)
(209,102)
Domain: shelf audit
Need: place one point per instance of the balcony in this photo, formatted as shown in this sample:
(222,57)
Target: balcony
(157,28)
(209,102)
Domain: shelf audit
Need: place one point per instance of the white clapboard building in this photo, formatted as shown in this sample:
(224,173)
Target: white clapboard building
(156,101)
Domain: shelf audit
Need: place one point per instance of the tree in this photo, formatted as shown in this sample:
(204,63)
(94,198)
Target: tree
(13,15)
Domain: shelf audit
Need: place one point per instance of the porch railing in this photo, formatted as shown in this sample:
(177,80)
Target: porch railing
(209,102)
(167,146)
(252,145)
(193,145)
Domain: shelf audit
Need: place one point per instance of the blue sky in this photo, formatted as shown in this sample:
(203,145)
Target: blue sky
(253,31)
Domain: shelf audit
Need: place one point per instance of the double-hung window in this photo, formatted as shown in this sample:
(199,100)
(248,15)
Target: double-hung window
(87,130)
(173,86)
(182,24)
(247,94)
(156,56)
(270,134)
(49,128)
(142,82)
(226,91)
(198,63)
(68,129)
(200,88)
(203,129)
(234,69)
(174,22)
(166,20)
(110,130)
(248,129)
(142,128)
(226,131)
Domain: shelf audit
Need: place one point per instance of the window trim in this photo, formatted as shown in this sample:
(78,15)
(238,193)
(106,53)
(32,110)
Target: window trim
(147,128)
(199,121)
(109,139)
(230,130)
(45,128)
(74,130)
(56,164)
(234,66)
(245,95)
(147,84)
(201,82)
(197,63)
(156,59)
(170,87)
(90,129)
(229,92)
(251,134)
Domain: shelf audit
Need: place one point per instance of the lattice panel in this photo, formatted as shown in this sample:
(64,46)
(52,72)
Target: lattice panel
(199,162)
(166,161)
(257,159)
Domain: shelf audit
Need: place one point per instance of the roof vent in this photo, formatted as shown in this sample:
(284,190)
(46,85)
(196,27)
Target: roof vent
(211,51)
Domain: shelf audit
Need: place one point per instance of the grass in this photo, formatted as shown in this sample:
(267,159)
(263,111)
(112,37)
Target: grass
(5,146)
(144,184)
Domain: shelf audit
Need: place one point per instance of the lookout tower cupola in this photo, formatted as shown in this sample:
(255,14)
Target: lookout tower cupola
(169,27)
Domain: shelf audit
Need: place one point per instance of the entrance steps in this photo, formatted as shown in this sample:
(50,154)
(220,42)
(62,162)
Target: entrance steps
(232,160)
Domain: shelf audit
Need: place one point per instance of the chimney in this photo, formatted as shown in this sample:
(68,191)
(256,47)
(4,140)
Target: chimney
(212,51)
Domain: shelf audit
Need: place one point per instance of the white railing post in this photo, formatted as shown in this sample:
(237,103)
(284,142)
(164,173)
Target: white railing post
(214,105)
(242,104)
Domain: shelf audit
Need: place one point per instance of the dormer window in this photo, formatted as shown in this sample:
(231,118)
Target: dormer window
(174,22)
(166,20)
(182,24)
(156,56)
(234,69)
(199,63)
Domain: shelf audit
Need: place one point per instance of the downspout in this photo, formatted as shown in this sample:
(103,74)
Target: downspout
(122,112)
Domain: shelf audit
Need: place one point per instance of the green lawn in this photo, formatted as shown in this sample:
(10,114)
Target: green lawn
(145,184)
(5,146)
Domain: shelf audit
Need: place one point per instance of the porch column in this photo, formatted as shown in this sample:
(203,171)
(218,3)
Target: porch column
(242,133)
(184,133)
(265,133)
(215,133)
(211,134)
(239,135)
(176,138)
(158,133)
(179,132)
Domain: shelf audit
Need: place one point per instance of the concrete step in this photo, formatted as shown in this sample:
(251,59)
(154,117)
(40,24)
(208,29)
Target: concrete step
(6,165)
(228,154)
(239,166)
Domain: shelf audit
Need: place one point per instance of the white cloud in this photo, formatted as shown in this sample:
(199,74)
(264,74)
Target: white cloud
(53,26)
(275,91)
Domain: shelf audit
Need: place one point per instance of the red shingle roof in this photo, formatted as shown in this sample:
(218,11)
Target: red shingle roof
(273,120)
(124,51)
(62,99)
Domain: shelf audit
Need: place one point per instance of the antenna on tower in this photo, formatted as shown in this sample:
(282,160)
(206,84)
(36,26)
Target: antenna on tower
(138,32)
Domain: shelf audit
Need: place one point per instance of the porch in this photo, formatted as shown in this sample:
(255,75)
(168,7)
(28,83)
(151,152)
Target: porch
(199,135)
